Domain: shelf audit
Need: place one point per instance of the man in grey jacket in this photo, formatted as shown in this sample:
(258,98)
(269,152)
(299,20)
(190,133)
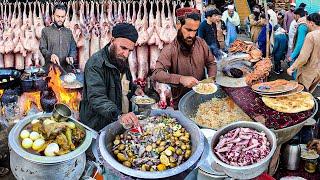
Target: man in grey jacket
(101,102)
(57,44)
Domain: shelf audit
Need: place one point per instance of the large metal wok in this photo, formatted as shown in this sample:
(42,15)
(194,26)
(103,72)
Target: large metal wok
(25,165)
(107,135)
(190,102)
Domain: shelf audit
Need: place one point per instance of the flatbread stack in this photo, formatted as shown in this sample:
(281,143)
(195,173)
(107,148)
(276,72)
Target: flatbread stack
(273,87)
(295,103)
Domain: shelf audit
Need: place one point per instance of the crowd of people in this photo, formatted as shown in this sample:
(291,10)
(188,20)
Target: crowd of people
(293,36)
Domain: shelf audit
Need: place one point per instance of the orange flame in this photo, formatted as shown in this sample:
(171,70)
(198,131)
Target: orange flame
(68,97)
(27,99)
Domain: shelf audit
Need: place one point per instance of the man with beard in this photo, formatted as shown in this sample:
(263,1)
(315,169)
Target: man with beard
(182,63)
(101,102)
(232,20)
(289,17)
(57,44)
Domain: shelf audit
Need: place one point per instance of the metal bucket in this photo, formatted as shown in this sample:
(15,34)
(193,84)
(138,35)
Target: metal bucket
(25,165)
(107,135)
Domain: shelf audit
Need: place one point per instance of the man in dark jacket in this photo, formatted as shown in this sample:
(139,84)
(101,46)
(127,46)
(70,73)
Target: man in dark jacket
(101,102)
(208,31)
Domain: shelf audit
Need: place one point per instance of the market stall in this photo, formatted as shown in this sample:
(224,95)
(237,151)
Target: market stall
(202,137)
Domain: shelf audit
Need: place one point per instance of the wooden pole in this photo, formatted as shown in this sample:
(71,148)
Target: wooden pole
(267,19)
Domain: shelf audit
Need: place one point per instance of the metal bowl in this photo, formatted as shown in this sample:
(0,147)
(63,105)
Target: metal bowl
(251,171)
(134,99)
(107,135)
(15,143)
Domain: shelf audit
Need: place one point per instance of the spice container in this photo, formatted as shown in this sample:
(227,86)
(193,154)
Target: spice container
(311,165)
(310,158)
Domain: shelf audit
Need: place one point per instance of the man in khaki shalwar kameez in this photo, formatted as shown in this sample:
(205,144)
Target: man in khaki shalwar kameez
(256,23)
(308,61)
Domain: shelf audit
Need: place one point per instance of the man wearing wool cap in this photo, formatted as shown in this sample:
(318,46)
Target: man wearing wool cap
(101,102)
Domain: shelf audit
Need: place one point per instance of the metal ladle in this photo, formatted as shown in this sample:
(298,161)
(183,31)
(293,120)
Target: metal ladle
(62,112)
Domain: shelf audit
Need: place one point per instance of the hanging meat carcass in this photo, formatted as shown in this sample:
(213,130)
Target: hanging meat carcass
(8,57)
(105,26)
(142,47)
(168,32)
(95,32)
(154,41)
(38,21)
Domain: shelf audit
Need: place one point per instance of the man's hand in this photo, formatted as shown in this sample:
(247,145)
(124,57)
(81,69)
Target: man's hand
(55,59)
(188,81)
(70,60)
(129,120)
(290,71)
(139,92)
(289,59)
(314,144)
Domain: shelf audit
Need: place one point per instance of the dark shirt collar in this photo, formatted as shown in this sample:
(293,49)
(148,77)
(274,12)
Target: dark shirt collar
(55,26)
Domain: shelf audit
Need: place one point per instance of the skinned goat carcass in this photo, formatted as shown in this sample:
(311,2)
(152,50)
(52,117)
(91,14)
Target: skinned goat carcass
(84,47)
(19,52)
(8,56)
(38,22)
(67,20)
(47,17)
(133,65)
(106,34)
(109,11)
(168,32)
(31,45)
(154,42)
(95,39)
(142,48)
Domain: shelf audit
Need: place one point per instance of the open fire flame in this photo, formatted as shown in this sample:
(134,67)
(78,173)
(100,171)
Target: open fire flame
(26,101)
(68,97)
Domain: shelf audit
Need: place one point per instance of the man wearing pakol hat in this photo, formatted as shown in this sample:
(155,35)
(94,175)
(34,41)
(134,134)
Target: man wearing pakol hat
(232,20)
(208,31)
(182,63)
(289,17)
(101,102)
